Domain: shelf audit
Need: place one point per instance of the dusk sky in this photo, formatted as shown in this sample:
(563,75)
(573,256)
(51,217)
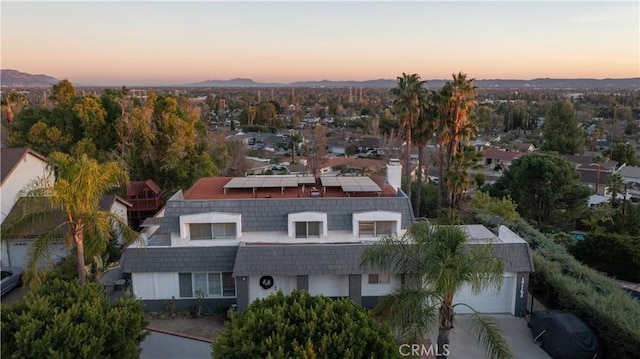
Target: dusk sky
(152,43)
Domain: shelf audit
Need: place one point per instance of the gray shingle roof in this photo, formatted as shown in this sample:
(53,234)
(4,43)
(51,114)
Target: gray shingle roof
(179,259)
(298,259)
(340,259)
(261,215)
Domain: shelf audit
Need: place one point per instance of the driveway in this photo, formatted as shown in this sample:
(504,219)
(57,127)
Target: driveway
(464,345)
(164,346)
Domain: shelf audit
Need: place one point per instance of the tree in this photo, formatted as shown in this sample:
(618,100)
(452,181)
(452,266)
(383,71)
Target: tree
(61,319)
(546,188)
(561,131)
(318,148)
(437,262)
(623,153)
(303,326)
(615,185)
(457,176)
(70,204)
(423,133)
(11,100)
(408,98)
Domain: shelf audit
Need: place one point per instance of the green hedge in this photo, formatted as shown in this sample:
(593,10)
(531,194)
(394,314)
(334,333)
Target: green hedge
(570,285)
(622,259)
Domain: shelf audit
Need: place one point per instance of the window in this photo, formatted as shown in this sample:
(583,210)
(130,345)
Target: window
(308,229)
(212,230)
(213,284)
(379,278)
(375,228)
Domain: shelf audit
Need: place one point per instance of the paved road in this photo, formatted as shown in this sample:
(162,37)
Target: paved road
(164,346)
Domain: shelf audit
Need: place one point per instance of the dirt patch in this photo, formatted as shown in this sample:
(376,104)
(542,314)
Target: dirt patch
(204,328)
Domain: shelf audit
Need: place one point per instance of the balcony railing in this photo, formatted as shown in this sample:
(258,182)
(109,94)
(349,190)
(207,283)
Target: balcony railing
(145,204)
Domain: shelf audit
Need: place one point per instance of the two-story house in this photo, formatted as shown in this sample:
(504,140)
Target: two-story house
(229,241)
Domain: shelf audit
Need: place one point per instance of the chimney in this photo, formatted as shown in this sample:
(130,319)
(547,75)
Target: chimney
(394,173)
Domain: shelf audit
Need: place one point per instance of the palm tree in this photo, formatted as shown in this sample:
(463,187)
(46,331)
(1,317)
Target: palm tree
(460,104)
(616,186)
(457,176)
(409,94)
(438,262)
(71,201)
(422,134)
(13,99)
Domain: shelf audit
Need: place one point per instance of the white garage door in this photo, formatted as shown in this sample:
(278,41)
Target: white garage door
(18,253)
(488,301)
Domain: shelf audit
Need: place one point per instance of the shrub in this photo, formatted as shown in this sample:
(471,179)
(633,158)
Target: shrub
(570,285)
(304,326)
(59,319)
(622,259)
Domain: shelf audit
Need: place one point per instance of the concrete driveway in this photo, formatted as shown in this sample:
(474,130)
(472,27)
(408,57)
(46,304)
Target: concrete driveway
(464,345)
(164,346)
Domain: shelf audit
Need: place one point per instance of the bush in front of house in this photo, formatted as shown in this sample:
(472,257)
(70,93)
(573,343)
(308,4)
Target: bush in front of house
(304,326)
(62,319)
(570,285)
(617,255)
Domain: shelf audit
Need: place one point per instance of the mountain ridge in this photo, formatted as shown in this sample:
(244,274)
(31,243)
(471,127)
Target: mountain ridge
(15,78)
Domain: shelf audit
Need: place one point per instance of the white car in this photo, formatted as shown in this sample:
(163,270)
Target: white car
(11,278)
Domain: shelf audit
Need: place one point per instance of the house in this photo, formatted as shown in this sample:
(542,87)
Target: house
(498,158)
(18,166)
(631,175)
(118,206)
(524,147)
(229,241)
(145,199)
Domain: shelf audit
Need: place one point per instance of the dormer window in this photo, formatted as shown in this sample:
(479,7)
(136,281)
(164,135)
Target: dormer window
(210,226)
(212,230)
(376,224)
(308,229)
(307,225)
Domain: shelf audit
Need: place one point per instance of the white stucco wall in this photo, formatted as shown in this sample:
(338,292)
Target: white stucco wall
(284,283)
(329,285)
(28,169)
(379,288)
(183,239)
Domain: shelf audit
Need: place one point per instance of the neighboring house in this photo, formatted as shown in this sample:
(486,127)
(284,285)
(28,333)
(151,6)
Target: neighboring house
(589,162)
(18,167)
(234,240)
(631,175)
(336,146)
(525,147)
(495,157)
(370,144)
(479,144)
(117,206)
(593,178)
(145,198)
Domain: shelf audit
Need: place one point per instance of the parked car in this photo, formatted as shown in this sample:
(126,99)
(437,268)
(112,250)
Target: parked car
(632,292)
(11,278)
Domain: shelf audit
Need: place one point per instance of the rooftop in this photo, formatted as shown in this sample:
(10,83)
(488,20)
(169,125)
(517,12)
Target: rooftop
(287,187)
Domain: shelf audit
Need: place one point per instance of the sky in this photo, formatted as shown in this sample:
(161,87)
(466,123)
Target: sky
(165,42)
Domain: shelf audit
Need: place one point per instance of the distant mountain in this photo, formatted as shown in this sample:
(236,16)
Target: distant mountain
(13,78)
(541,83)
(234,83)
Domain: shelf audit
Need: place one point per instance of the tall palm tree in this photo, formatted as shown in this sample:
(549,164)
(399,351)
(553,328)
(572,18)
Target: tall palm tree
(457,176)
(71,203)
(461,103)
(409,94)
(438,261)
(11,99)
(422,134)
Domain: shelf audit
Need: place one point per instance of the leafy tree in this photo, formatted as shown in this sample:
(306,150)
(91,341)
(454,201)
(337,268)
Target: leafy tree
(70,204)
(457,176)
(317,148)
(304,326)
(438,261)
(505,208)
(546,188)
(59,319)
(623,153)
(561,131)
(615,186)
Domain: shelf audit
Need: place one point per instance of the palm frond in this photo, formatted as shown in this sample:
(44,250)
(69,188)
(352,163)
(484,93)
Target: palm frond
(40,254)
(410,312)
(490,336)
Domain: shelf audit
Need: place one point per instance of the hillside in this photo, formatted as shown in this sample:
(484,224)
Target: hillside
(14,78)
